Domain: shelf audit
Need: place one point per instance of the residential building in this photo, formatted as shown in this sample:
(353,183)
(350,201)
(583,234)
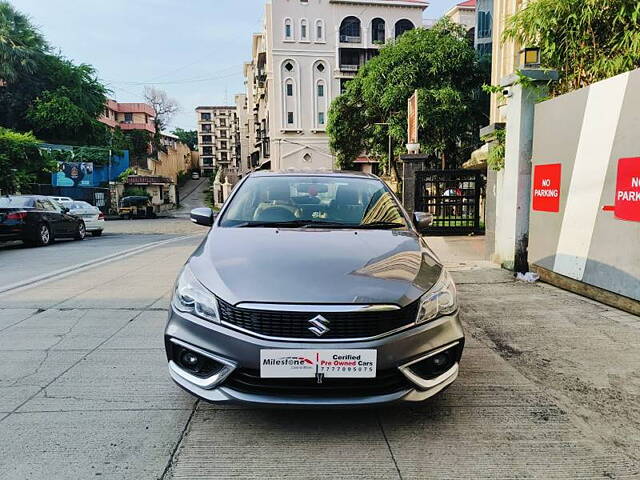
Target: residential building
(129,116)
(242,144)
(217,138)
(483,41)
(255,73)
(464,13)
(307,52)
(505,56)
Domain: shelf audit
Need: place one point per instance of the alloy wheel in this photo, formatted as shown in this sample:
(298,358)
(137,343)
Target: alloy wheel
(45,235)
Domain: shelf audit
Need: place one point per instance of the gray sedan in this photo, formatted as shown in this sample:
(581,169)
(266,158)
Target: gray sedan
(313,289)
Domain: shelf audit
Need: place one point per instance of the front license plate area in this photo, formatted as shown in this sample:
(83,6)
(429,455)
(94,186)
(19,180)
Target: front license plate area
(313,363)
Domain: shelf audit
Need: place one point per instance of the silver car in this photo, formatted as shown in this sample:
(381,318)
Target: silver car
(313,289)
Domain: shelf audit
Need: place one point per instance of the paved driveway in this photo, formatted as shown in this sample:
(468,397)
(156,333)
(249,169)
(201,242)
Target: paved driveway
(84,392)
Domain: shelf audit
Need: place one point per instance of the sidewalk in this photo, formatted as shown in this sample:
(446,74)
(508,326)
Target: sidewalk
(584,354)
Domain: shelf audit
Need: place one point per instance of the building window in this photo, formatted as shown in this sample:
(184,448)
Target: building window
(223,145)
(350,30)
(304,34)
(320,90)
(128,118)
(319,31)
(206,127)
(307,158)
(207,150)
(223,156)
(223,122)
(290,118)
(378,31)
(403,26)
(288,29)
(205,117)
(320,118)
(290,89)
(207,160)
(206,139)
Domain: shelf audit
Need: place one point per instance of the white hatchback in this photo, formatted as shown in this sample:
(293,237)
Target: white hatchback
(92,216)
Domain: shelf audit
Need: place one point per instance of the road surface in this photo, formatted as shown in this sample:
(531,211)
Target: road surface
(85,392)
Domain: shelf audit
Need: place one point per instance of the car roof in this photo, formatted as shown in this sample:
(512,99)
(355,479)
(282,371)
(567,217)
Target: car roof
(313,173)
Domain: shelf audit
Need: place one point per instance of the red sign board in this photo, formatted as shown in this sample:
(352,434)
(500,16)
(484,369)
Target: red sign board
(546,187)
(627,205)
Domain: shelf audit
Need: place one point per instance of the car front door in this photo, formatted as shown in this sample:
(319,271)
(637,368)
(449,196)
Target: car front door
(54,215)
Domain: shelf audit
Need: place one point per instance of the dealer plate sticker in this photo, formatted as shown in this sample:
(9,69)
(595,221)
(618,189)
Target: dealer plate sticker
(312,363)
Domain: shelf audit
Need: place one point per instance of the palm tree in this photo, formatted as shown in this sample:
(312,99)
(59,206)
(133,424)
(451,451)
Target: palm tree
(20,44)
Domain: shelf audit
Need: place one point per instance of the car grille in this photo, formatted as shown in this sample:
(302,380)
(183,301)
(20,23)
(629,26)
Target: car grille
(342,325)
(249,381)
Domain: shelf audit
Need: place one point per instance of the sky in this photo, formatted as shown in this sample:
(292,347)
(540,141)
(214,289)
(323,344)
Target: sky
(192,49)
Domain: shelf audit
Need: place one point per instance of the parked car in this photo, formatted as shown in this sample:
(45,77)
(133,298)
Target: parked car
(92,216)
(313,289)
(61,199)
(136,207)
(37,220)
(195,175)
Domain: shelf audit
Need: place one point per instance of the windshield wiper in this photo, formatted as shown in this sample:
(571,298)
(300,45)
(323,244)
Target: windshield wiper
(381,225)
(295,224)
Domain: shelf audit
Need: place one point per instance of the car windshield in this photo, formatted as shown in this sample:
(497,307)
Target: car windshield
(300,201)
(77,205)
(16,202)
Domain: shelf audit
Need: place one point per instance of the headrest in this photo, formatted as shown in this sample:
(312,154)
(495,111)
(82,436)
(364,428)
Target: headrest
(346,196)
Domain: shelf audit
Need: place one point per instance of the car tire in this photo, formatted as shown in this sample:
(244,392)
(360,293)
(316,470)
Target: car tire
(43,237)
(96,233)
(81,232)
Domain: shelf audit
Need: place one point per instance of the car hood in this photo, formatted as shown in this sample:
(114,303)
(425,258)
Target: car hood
(315,266)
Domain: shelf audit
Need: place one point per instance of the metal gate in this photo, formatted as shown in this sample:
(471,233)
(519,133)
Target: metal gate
(454,198)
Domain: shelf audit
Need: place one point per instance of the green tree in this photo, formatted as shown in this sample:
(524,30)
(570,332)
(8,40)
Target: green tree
(442,65)
(21,45)
(585,40)
(43,92)
(188,137)
(21,161)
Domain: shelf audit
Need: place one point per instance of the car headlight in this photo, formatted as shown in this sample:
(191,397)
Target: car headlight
(440,300)
(190,296)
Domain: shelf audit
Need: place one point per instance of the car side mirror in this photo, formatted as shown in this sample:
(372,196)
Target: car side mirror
(203,216)
(422,220)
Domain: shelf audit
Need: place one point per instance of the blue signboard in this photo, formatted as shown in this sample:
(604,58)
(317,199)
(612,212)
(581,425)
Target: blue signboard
(73,174)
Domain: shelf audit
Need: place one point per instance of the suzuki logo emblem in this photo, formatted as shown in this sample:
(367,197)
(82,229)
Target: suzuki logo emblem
(320,325)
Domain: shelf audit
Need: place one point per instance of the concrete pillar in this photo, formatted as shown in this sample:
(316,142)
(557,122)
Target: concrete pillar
(512,216)
(226,189)
(409,166)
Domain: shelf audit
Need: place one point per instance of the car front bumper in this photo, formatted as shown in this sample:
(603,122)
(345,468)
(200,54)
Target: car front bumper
(242,351)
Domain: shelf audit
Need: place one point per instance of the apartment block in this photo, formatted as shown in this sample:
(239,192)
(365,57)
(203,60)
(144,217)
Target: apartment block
(129,116)
(218,136)
(305,55)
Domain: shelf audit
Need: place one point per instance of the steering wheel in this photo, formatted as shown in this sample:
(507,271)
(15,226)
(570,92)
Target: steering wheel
(275,214)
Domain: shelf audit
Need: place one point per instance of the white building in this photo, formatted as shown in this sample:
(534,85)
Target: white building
(217,138)
(464,13)
(308,51)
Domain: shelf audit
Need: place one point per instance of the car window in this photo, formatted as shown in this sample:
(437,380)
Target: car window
(46,204)
(16,202)
(348,201)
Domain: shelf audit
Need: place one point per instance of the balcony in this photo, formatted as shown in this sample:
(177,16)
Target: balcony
(350,39)
(349,68)
(149,127)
